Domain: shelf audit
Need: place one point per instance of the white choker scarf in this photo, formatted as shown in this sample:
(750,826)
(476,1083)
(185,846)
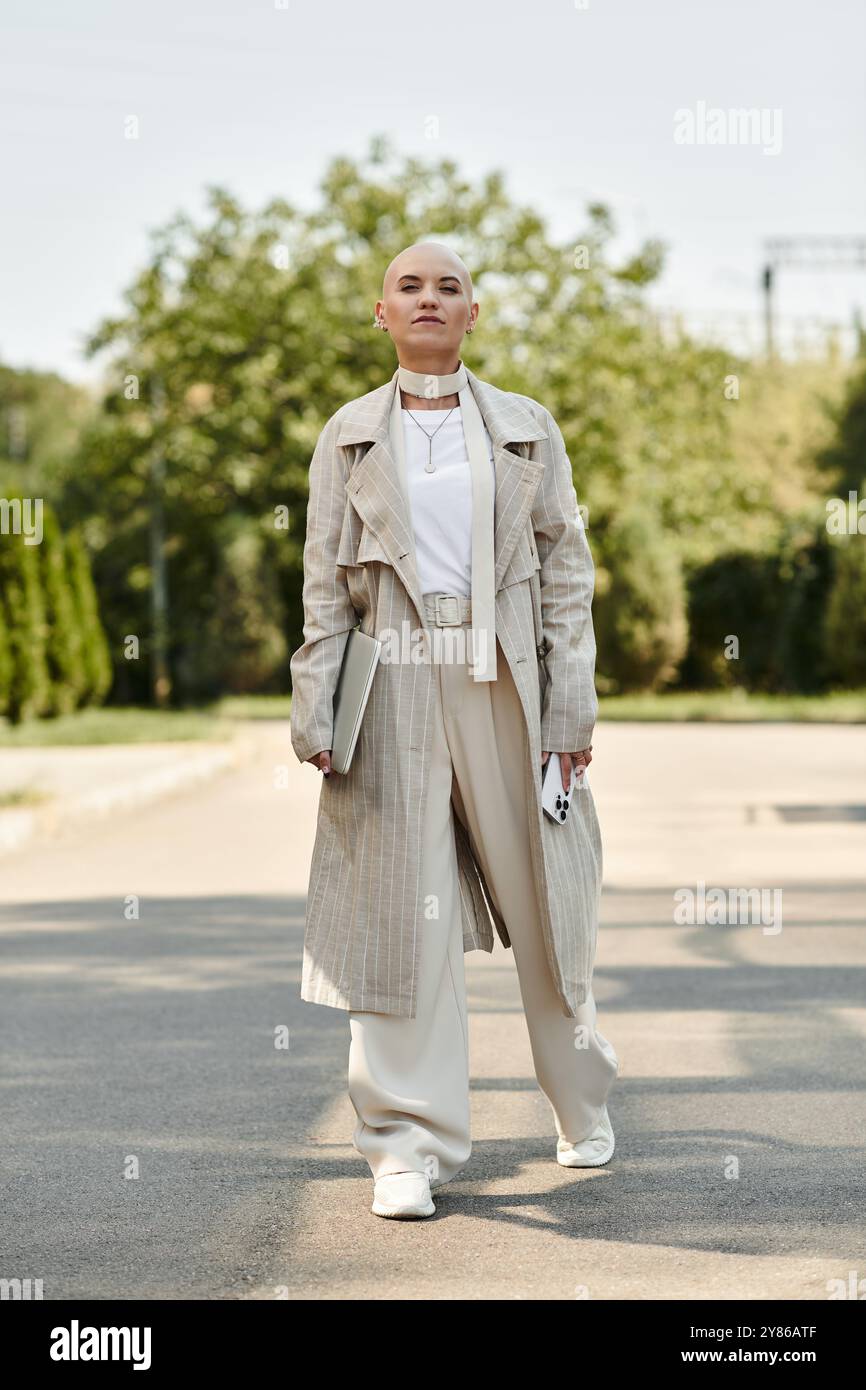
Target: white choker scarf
(432,387)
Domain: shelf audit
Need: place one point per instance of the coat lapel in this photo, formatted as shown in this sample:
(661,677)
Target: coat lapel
(374,487)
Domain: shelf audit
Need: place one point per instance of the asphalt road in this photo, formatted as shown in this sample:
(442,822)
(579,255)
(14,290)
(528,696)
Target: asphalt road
(158,1144)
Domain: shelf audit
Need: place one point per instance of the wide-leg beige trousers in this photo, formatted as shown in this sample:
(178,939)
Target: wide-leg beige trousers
(409,1077)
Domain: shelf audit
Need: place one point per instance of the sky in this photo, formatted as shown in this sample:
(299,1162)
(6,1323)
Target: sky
(574,101)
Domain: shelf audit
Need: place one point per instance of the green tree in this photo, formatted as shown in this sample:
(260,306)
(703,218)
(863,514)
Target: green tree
(6,666)
(842,465)
(63,651)
(639,611)
(28,690)
(845,630)
(41,417)
(95,657)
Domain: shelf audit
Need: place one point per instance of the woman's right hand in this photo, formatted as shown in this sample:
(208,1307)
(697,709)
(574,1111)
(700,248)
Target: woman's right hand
(322,761)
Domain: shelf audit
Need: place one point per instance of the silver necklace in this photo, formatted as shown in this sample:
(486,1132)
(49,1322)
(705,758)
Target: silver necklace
(429,466)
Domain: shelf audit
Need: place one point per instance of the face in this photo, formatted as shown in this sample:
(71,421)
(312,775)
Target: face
(427,303)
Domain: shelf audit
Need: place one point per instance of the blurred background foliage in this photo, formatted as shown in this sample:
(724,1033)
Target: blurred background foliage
(705,476)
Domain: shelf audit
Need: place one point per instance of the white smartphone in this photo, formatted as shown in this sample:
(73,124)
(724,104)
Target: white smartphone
(554,800)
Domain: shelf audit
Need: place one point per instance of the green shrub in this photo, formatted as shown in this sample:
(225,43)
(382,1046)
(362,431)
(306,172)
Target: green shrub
(640,610)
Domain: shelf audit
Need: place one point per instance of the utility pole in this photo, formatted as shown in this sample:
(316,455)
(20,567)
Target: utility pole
(768,311)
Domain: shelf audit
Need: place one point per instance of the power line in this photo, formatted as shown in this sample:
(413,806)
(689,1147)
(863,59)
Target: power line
(805,253)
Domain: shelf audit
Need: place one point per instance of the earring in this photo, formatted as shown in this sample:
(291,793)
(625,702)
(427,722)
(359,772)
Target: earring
(379,323)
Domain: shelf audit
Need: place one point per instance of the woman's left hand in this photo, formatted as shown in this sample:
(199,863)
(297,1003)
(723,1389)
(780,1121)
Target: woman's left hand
(580,761)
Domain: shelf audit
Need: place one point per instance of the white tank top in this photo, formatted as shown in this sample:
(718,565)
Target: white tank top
(441,502)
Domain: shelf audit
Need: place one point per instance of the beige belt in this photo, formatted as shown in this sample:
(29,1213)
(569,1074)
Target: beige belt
(448,610)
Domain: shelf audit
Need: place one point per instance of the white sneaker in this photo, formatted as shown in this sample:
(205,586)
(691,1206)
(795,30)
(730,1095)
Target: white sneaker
(591,1152)
(403,1195)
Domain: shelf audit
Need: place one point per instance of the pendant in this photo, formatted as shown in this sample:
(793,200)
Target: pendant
(430,466)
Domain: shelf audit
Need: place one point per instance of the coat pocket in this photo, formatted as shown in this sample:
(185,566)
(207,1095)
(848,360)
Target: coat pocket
(358,544)
(523,563)
(370,548)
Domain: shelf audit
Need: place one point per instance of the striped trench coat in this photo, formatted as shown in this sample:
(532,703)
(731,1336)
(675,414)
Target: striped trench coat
(364,908)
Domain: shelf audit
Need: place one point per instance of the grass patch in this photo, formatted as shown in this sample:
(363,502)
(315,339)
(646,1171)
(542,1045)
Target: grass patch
(132,724)
(22,796)
(737,706)
(254,706)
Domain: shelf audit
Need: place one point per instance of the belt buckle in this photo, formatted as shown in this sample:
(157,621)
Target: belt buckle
(444,621)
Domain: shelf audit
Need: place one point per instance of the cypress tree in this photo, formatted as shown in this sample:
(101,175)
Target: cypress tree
(64,650)
(95,653)
(24,611)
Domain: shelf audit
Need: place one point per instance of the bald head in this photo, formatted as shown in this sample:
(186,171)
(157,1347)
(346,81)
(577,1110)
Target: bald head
(427,258)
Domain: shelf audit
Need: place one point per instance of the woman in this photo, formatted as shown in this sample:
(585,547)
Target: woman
(438,502)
